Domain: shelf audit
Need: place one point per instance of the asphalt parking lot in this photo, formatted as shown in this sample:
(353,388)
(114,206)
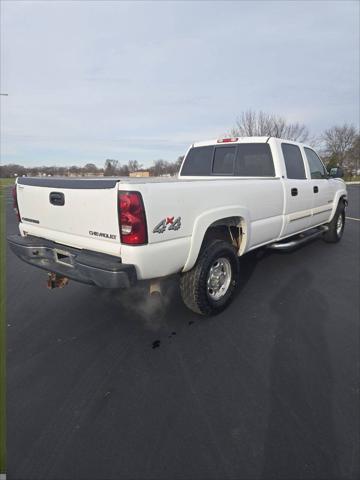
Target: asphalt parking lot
(268,389)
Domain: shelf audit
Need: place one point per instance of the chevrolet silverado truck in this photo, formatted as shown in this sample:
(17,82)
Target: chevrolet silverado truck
(232,195)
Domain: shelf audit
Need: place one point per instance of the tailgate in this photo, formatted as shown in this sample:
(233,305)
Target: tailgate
(82,213)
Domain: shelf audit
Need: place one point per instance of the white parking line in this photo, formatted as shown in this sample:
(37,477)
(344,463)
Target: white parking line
(352,218)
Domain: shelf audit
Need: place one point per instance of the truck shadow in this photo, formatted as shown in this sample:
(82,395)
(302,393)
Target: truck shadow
(247,266)
(300,441)
(249,262)
(154,310)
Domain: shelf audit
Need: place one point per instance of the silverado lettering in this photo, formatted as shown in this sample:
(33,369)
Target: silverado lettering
(103,235)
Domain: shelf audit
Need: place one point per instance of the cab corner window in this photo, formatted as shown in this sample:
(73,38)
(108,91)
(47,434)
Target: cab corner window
(294,163)
(317,168)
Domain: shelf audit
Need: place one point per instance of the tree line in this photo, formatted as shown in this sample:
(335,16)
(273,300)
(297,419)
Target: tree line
(111,168)
(157,169)
(338,146)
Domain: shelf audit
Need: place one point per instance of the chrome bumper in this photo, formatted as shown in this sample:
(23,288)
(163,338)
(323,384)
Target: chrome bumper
(84,266)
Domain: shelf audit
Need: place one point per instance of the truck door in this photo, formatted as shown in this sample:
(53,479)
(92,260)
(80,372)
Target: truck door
(322,192)
(298,191)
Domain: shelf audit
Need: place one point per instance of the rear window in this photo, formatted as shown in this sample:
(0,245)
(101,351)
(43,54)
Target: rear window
(224,159)
(198,161)
(254,160)
(241,160)
(294,162)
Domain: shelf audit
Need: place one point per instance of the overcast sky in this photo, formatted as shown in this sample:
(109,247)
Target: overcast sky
(141,81)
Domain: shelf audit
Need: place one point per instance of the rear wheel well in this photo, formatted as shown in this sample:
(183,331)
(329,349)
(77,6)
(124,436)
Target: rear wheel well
(229,229)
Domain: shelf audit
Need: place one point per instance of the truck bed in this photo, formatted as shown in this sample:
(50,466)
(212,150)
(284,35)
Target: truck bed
(91,182)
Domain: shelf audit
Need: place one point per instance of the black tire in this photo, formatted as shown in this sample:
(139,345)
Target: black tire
(194,286)
(334,234)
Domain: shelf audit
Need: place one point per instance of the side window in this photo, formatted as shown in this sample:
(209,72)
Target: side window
(293,161)
(198,161)
(254,160)
(224,161)
(317,168)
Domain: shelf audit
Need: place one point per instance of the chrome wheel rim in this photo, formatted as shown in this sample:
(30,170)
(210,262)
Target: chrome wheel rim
(219,278)
(339,225)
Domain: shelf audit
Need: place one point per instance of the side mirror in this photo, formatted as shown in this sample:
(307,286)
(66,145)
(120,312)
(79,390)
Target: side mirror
(336,172)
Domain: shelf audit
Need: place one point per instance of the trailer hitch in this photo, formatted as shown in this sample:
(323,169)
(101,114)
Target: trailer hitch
(56,281)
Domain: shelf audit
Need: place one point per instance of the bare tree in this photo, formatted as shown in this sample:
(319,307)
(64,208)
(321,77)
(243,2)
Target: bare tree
(111,167)
(178,163)
(33,171)
(160,167)
(90,168)
(74,170)
(354,155)
(134,165)
(123,171)
(164,167)
(252,124)
(340,146)
(12,170)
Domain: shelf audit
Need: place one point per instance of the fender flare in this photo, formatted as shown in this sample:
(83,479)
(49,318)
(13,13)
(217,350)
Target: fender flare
(338,196)
(203,222)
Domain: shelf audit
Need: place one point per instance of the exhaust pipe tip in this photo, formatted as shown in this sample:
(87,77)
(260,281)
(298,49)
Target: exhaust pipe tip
(155,288)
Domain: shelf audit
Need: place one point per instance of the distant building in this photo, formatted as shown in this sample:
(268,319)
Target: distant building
(139,174)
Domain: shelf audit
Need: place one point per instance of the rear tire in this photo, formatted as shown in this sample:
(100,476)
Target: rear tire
(336,226)
(209,287)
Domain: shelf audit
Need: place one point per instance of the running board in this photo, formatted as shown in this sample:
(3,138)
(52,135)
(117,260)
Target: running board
(290,245)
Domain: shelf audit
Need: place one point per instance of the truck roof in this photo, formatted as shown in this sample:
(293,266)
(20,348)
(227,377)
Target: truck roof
(227,140)
(231,140)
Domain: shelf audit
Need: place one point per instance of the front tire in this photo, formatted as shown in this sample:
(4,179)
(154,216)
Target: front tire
(209,287)
(337,225)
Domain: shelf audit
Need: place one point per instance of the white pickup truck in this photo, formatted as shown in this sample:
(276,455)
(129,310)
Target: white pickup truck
(232,195)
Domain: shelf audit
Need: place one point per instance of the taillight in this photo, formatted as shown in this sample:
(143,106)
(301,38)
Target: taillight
(15,202)
(132,221)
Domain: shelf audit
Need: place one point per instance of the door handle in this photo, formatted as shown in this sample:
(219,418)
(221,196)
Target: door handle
(316,189)
(294,192)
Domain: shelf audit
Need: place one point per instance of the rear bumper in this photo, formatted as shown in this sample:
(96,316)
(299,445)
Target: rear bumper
(84,266)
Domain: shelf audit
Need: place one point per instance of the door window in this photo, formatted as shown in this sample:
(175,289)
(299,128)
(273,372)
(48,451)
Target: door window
(317,168)
(294,163)
(254,160)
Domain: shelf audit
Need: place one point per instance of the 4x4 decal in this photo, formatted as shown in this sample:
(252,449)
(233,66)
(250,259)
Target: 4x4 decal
(168,223)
